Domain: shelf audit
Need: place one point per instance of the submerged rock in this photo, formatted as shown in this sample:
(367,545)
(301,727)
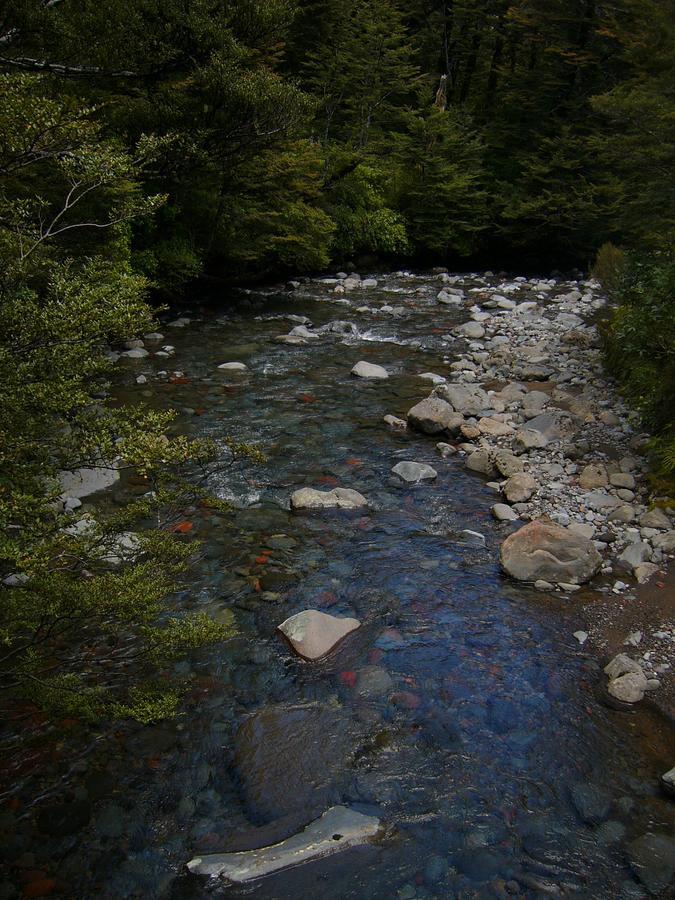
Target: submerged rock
(338,498)
(542,550)
(290,761)
(592,804)
(337,829)
(652,858)
(313,634)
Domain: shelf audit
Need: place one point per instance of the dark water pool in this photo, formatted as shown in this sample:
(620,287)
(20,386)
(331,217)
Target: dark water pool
(463,713)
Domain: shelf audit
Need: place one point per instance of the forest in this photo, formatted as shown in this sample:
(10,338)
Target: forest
(154,149)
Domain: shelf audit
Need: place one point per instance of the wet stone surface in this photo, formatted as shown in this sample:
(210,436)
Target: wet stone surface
(463,714)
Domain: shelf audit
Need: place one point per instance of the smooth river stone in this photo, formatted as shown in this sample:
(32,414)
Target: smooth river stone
(413,472)
(313,634)
(541,550)
(337,829)
(369,370)
(338,498)
(233,367)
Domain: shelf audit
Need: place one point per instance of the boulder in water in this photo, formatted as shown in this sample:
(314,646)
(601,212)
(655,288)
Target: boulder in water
(289,761)
(364,369)
(652,858)
(82,482)
(338,498)
(313,634)
(413,472)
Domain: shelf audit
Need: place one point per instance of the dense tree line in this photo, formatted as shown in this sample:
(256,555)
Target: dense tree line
(145,144)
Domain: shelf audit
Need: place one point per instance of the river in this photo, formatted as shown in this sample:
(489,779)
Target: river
(463,713)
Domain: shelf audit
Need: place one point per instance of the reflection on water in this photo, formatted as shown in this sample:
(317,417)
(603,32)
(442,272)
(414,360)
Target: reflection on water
(463,713)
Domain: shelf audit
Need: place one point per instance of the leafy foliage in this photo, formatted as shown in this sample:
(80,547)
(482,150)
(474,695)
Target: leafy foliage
(82,598)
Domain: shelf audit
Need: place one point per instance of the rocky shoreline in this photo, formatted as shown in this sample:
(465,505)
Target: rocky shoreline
(528,406)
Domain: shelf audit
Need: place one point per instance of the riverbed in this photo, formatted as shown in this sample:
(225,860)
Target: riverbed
(463,713)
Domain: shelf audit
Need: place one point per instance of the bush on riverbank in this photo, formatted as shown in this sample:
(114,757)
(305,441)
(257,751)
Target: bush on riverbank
(640,350)
(84,625)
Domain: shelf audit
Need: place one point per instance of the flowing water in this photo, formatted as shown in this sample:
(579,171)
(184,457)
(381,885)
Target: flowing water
(463,714)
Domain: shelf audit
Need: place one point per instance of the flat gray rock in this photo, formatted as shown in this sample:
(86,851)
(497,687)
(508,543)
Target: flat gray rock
(338,498)
(337,829)
(413,472)
(85,481)
(655,518)
(233,367)
(313,634)
(473,330)
(529,439)
(552,425)
(636,553)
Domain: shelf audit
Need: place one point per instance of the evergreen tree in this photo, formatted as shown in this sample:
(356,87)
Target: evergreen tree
(439,184)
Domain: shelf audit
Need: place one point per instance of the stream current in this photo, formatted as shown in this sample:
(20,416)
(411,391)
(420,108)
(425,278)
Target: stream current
(463,713)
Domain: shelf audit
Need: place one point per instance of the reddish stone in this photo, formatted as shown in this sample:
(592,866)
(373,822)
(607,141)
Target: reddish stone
(348,678)
(182,528)
(262,559)
(307,398)
(353,461)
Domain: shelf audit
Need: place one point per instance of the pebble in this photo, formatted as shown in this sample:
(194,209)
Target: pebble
(504,513)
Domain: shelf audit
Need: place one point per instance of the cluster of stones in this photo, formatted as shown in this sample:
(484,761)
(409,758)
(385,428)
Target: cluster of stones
(312,635)
(627,680)
(538,434)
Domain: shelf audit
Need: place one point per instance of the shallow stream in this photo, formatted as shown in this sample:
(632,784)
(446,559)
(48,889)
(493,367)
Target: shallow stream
(464,714)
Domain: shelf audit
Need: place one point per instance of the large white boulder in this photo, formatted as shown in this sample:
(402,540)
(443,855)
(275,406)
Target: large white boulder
(364,369)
